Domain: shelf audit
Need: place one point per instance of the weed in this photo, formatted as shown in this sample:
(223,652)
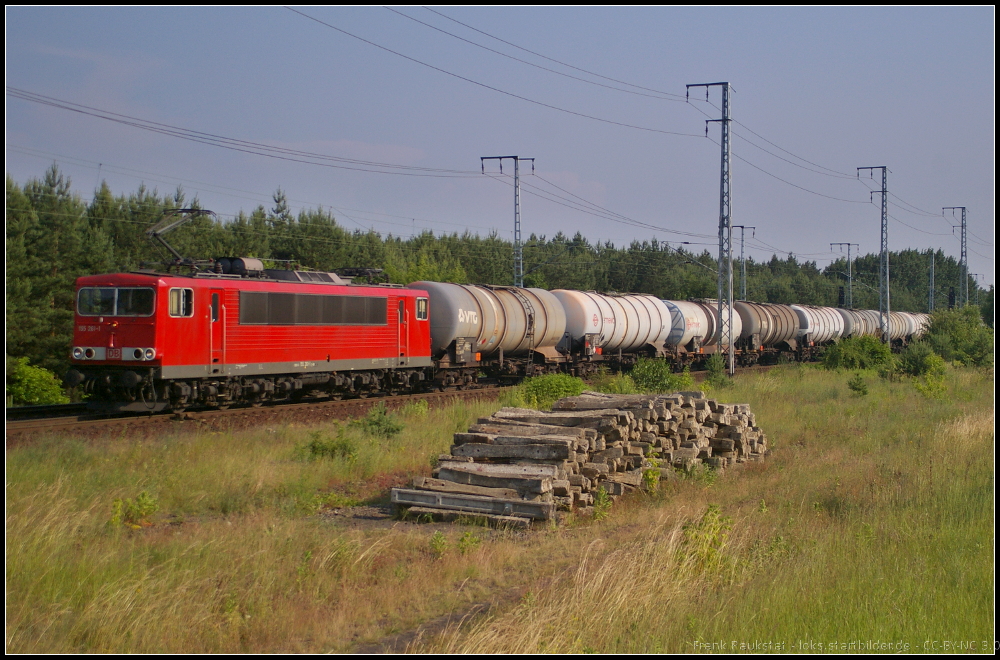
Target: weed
(304,568)
(418,409)
(762,506)
(931,385)
(706,540)
(379,422)
(133,514)
(650,479)
(321,446)
(439,544)
(332,500)
(857,385)
(468,542)
(702,474)
(602,504)
(614,383)
(543,391)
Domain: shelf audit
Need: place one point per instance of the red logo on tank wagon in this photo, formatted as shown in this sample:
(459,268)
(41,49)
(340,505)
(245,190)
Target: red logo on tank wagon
(595,320)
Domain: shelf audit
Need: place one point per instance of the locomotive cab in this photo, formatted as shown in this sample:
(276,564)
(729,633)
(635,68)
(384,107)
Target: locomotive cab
(116,354)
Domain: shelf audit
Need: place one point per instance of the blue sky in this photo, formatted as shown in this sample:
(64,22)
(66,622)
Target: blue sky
(830,89)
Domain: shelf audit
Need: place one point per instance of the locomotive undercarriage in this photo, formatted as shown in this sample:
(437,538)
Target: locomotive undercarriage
(127,391)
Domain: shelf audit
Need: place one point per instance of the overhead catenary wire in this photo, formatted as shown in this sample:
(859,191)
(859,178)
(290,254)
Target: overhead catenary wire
(298,204)
(545,57)
(244,146)
(532,64)
(492,88)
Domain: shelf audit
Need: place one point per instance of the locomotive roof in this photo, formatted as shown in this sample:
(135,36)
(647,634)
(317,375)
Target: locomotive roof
(140,277)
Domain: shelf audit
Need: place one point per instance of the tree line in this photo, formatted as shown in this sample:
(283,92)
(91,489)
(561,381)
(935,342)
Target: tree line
(54,236)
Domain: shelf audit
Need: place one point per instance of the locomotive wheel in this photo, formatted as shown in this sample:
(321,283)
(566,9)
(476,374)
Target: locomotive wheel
(225,407)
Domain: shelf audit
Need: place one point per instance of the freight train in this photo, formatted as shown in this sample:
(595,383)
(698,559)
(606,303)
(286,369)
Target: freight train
(240,333)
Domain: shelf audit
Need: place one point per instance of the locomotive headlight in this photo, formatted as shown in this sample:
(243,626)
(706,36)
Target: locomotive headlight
(77,353)
(89,353)
(150,353)
(137,354)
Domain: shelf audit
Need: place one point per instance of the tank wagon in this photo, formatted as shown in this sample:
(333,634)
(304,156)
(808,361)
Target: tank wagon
(243,334)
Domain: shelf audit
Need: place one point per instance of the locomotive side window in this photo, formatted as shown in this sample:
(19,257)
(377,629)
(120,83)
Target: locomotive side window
(421,309)
(215,307)
(94,301)
(265,308)
(182,302)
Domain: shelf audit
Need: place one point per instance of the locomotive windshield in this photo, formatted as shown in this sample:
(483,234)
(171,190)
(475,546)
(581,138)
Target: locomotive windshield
(114,301)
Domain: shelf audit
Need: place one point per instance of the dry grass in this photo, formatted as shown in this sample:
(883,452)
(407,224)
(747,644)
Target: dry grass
(872,520)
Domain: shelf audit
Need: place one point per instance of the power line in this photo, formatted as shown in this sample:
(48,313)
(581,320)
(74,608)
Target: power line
(808,169)
(490,87)
(832,171)
(576,68)
(244,146)
(532,64)
(247,195)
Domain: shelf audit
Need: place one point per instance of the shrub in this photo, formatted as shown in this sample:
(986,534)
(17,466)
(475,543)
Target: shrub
(28,385)
(468,542)
(919,359)
(931,385)
(133,514)
(602,503)
(439,544)
(657,376)
(543,391)
(707,539)
(321,446)
(614,383)
(716,368)
(857,353)
(379,422)
(858,385)
(959,335)
(415,409)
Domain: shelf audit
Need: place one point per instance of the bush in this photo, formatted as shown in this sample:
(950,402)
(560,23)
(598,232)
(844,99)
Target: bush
(717,376)
(858,385)
(919,359)
(931,385)
(133,514)
(543,391)
(657,376)
(857,353)
(321,446)
(959,335)
(28,385)
(379,422)
(614,383)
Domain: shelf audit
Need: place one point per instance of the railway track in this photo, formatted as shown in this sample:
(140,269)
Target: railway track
(26,426)
(26,423)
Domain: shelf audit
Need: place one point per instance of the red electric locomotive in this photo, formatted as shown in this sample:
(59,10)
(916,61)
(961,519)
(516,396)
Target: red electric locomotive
(148,341)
